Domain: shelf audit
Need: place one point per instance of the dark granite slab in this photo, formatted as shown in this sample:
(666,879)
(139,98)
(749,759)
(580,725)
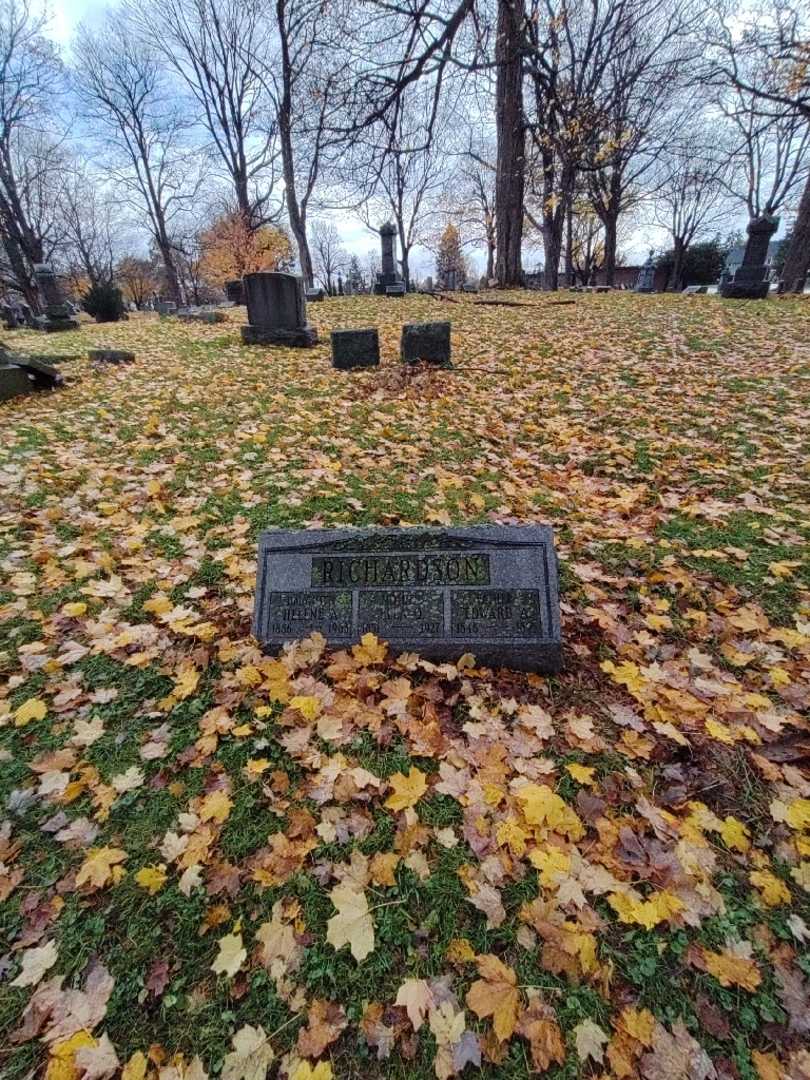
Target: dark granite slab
(355,349)
(485,589)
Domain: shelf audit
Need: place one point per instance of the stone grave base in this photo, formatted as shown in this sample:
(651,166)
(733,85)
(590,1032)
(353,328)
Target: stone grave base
(110,356)
(13,382)
(745,290)
(300,337)
(53,326)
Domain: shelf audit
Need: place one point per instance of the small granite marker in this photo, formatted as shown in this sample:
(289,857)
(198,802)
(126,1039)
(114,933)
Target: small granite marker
(485,589)
(426,341)
(355,349)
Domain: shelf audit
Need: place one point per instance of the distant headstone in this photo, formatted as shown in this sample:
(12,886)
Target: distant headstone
(111,356)
(395,290)
(355,349)
(428,284)
(426,341)
(28,316)
(9,315)
(450,280)
(646,276)
(750,279)
(277,311)
(210,316)
(469,286)
(166,307)
(13,382)
(235,291)
(58,311)
(314,294)
(694,290)
(388,275)
(441,592)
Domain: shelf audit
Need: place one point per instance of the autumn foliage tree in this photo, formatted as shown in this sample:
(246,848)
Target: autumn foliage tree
(231,249)
(451,267)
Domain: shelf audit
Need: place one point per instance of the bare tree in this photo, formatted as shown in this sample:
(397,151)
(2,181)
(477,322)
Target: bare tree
(119,80)
(90,224)
(768,61)
(329,256)
(30,75)
(691,196)
(212,45)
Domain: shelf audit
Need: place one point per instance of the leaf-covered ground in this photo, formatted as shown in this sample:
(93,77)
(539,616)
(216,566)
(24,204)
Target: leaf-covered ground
(360,865)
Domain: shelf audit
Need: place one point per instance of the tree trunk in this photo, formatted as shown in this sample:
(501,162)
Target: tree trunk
(569,246)
(169,268)
(297,213)
(611,228)
(511,163)
(797,262)
(676,273)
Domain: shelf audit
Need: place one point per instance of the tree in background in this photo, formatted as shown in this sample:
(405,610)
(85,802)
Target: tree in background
(451,267)
(329,256)
(138,279)
(231,248)
(702,264)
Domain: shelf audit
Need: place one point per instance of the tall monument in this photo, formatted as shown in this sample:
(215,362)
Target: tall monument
(388,278)
(750,280)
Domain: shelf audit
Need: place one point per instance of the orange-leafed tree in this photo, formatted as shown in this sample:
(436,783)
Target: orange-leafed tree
(231,248)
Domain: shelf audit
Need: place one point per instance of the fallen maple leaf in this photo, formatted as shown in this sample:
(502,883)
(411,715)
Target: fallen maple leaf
(152,878)
(495,994)
(251,1055)
(408,790)
(417,999)
(352,925)
(590,1041)
(232,954)
(35,962)
(100,866)
(98,1062)
(325,1021)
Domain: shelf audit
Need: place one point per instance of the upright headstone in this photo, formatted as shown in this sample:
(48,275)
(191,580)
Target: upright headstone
(488,590)
(166,307)
(428,284)
(57,308)
(388,275)
(750,280)
(646,276)
(340,285)
(235,291)
(277,311)
(355,349)
(9,316)
(450,280)
(426,341)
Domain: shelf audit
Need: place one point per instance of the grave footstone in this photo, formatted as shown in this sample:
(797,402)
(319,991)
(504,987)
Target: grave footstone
(111,356)
(14,382)
(277,311)
(58,310)
(426,341)
(355,349)
(441,592)
(695,290)
(313,295)
(166,307)
(395,290)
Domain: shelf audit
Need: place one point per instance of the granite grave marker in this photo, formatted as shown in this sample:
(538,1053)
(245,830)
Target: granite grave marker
(441,592)
(355,349)
(277,310)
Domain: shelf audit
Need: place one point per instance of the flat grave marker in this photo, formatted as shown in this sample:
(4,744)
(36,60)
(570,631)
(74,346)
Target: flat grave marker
(489,590)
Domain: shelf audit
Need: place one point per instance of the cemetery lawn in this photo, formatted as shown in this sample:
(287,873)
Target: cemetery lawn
(215,863)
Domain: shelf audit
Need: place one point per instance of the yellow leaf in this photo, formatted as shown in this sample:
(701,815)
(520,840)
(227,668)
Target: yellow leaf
(735,835)
(216,806)
(408,790)
(647,913)
(542,806)
(554,865)
(152,878)
(74,610)
(583,774)
(731,970)
(638,1023)
(309,707)
(32,709)
(370,650)
(798,814)
(135,1068)
(771,888)
(767,1065)
(495,994)
(99,866)
(62,1060)
(159,604)
(305,1071)
(352,925)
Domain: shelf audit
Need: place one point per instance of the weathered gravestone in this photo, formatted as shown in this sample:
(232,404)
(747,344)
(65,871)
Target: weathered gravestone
(646,276)
(314,294)
(751,278)
(488,590)
(111,356)
(426,341)
(355,349)
(234,291)
(58,310)
(166,307)
(13,382)
(277,310)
